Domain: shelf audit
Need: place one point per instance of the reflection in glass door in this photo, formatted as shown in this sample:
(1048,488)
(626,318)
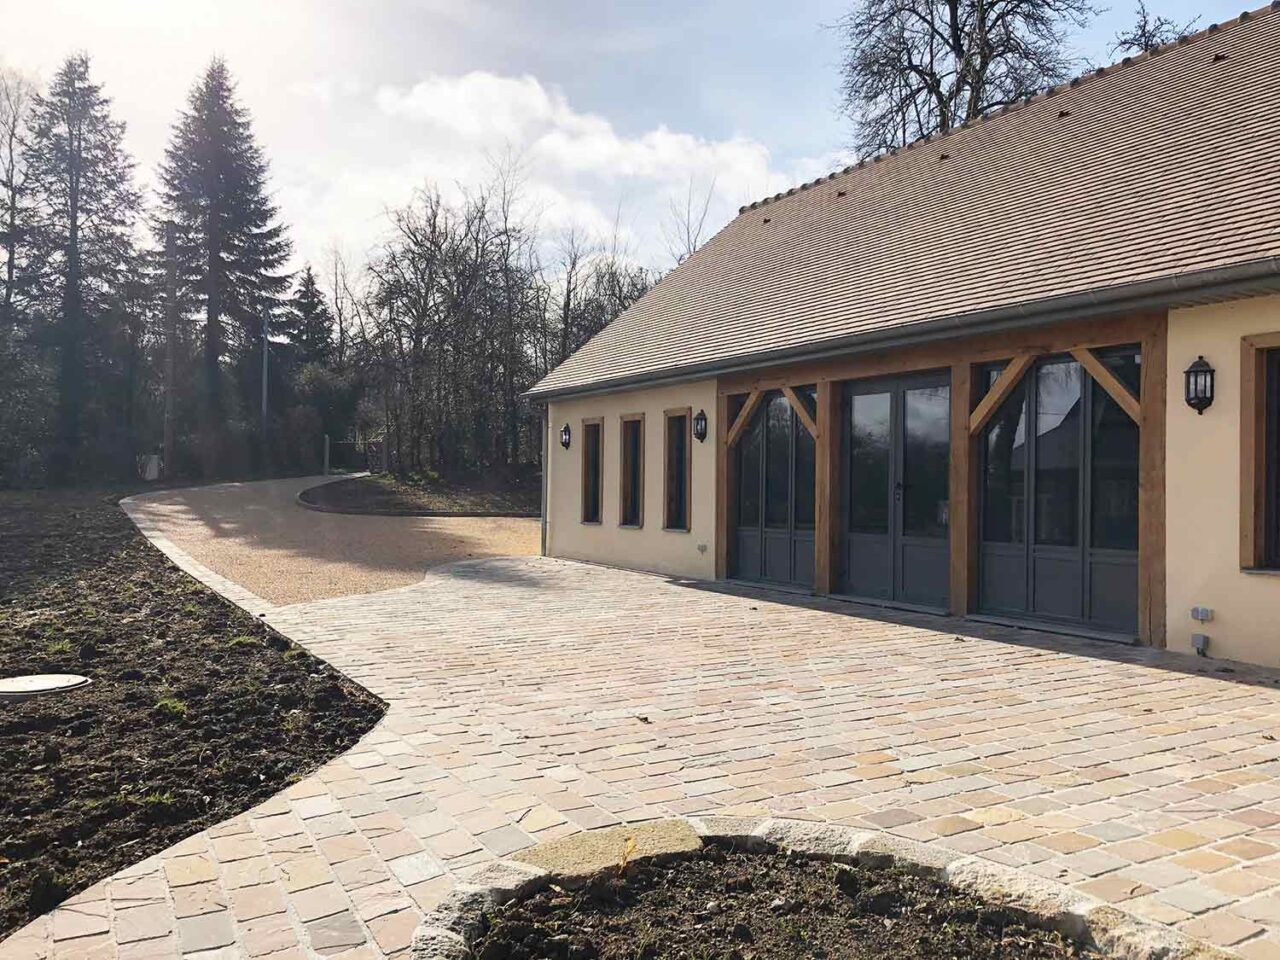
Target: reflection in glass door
(1060,498)
(776,471)
(897,492)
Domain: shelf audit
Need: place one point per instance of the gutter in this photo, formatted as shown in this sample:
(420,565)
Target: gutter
(1201,286)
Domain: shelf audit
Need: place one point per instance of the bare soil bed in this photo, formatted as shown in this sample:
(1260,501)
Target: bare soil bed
(722,904)
(384,495)
(196,712)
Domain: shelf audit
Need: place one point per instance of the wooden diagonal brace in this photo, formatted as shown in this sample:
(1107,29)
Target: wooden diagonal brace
(1109,382)
(1008,379)
(802,412)
(744,418)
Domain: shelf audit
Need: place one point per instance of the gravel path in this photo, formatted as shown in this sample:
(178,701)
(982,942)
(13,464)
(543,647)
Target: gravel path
(258,536)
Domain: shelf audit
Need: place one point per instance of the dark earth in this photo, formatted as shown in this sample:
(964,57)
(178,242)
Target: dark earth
(196,713)
(722,904)
(383,494)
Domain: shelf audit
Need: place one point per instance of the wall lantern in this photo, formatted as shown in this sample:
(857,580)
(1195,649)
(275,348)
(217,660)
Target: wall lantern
(565,436)
(1199,385)
(700,425)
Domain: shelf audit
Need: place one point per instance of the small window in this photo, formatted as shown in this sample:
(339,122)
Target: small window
(631,496)
(1271,422)
(677,480)
(591,471)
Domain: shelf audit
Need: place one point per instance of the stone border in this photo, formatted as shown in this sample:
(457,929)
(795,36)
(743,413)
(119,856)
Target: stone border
(447,932)
(341,511)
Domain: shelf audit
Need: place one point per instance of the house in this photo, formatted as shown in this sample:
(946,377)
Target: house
(955,378)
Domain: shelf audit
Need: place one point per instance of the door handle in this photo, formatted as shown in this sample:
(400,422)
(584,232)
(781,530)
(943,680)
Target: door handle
(897,490)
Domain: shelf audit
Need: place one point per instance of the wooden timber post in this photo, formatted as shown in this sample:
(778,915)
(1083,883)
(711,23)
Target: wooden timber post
(963,515)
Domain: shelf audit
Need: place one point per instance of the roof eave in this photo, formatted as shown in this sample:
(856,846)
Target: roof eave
(1201,286)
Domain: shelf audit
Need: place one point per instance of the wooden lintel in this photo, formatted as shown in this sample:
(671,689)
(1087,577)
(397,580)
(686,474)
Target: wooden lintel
(1109,382)
(1009,378)
(802,412)
(744,418)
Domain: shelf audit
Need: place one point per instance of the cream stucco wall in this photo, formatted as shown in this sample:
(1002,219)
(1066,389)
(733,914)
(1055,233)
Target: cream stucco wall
(650,547)
(1203,490)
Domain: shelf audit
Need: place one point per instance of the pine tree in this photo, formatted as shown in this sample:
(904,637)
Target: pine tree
(80,239)
(230,245)
(309,324)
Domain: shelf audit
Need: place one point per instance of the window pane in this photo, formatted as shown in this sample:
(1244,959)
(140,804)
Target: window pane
(926,483)
(749,475)
(1004,477)
(1126,364)
(869,463)
(777,466)
(1113,496)
(1059,392)
(591,473)
(806,474)
(677,464)
(632,472)
(1272,480)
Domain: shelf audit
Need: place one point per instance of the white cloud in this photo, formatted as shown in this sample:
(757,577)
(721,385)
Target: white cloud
(578,166)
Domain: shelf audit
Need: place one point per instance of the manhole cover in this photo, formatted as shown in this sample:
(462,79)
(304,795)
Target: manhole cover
(19,688)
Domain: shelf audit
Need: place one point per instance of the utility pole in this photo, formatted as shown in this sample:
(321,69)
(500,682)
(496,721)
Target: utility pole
(170,335)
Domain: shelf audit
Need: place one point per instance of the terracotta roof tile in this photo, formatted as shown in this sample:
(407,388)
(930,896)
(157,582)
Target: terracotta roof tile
(1166,165)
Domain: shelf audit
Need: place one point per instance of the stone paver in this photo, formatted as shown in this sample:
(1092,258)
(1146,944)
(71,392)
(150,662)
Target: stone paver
(531,698)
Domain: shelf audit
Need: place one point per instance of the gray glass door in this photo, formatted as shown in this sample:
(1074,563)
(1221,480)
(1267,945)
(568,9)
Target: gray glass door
(896,495)
(773,536)
(1060,498)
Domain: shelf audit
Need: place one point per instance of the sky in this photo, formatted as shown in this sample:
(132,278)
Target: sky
(613,109)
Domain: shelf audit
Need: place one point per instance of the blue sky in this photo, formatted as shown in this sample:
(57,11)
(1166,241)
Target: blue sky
(616,108)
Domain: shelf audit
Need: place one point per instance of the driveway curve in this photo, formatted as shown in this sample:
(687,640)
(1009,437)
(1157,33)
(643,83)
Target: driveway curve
(530,698)
(258,536)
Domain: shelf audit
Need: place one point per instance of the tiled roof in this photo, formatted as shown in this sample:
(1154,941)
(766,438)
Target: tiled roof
(1165,167)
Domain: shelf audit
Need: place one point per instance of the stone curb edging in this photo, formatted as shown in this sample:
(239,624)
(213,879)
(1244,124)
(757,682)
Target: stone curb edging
(447,932)
(341,511)
(246,600)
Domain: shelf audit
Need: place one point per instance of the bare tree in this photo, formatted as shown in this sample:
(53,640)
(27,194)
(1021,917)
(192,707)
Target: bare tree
(16,92)
(918,67)
(1149,33)
(686,221)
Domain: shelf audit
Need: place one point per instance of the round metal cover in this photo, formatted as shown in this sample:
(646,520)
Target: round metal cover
(19,688)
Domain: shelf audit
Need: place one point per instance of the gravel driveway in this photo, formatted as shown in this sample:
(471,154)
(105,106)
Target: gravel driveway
(257,535)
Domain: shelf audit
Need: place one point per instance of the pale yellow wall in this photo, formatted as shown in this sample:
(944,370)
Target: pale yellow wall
(1203,490)
(689,554)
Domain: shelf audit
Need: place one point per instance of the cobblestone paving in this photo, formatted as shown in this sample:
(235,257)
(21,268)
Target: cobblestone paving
(531,698)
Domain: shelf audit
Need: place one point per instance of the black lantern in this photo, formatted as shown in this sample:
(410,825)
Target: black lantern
(700,425)
(565,436)
(1199,385)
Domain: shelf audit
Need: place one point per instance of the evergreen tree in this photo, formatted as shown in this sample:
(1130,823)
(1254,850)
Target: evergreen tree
(80,239)
(230,245)
(309,323)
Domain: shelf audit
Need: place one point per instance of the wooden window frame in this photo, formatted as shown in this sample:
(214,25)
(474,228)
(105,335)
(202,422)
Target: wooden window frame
(687,413)
(1256,468)
(598,423)
(623,420)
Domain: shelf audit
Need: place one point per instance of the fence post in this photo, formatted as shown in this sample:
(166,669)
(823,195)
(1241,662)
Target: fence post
(326,454)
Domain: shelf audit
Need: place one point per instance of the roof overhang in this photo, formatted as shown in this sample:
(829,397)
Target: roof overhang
(1253,278)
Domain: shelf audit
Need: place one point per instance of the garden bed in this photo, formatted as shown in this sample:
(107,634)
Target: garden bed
(196,713)
(384,495)
(737,905)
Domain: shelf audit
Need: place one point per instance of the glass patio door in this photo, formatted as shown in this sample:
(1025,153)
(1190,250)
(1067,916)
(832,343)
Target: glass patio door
(773,538)
(896,498)
(1059,513)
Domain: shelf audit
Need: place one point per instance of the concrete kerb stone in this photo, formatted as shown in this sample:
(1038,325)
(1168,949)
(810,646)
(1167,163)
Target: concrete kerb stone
(447,932)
